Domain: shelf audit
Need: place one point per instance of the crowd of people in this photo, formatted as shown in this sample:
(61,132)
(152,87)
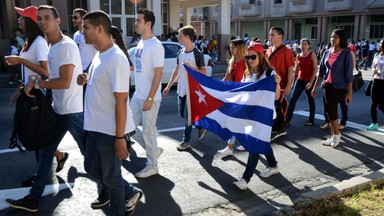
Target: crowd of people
(86,78)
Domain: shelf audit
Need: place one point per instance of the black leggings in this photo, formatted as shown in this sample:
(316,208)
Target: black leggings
(377,98)
(332,98)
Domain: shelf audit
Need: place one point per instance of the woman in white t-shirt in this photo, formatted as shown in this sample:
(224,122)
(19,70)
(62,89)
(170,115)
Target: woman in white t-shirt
(377,90)
(33,59)
(258,68)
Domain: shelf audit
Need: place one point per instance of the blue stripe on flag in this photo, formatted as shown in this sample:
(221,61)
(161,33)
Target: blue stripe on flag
(254,113)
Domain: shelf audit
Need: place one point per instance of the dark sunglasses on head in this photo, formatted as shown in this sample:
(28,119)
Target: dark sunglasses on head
(75,17)
(253,57)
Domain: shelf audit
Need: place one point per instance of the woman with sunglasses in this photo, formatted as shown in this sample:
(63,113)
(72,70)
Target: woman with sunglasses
(235,72)
(304,74)
(336,68)
(258,68)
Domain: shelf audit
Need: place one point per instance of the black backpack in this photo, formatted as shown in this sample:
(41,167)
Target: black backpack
(35,122)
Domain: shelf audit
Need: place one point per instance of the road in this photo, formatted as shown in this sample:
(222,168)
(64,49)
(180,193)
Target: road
(198,181)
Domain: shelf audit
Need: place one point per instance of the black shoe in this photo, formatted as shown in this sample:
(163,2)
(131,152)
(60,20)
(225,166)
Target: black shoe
(60,163)
(28,182)
(102,200)
(308,123)
(26,204)
(130,204)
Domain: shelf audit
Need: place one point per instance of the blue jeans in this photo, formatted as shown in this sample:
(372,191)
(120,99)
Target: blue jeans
(253,159)
(344,112)
(183,113)
(70,122)
(299,87)
(102,163)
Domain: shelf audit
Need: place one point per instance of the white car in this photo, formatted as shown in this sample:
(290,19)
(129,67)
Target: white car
(171,49)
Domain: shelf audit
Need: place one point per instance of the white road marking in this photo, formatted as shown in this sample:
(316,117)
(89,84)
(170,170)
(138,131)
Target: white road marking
(18,193)
(349,124)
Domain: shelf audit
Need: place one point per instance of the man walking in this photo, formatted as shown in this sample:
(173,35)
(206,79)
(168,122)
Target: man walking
(107,116)
(145,104)
(64,66)
(193,58)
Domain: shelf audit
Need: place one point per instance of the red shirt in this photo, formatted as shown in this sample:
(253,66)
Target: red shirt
(305,68)
(352,48)
(281,61)
(237,71)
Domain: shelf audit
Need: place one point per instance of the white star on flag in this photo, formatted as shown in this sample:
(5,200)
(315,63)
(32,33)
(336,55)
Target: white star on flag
(201,96)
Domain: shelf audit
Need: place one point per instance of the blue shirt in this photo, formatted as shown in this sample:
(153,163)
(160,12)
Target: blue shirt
(342,69)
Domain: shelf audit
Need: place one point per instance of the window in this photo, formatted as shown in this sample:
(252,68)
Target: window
(313,32)
(278,1)
(122,13)
(376,31)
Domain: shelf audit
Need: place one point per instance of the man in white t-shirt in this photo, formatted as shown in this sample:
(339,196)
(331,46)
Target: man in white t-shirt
(145,104)
(64,66)
(87,51)
(193,58)
(107,115)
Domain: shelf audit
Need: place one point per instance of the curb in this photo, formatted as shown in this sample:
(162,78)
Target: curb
(345,187)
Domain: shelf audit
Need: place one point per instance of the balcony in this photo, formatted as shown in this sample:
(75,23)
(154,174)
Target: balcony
(250,10)
(302,6)
(337,5)
(373,4)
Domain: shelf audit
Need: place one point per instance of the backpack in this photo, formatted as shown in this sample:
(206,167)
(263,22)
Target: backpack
(34,122)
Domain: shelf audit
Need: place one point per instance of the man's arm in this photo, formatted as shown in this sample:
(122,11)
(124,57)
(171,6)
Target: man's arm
(172,80)
(288,88)
(155,84)
(120,118)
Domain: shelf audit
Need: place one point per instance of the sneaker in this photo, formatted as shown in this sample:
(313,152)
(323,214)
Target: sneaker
(336,140)
(102,200)
(147,171)
(324,126)
(373,127)
(327,142)
(201,133)
(269,172)
(60,163)
(308,123)
(342,127)
(183,145)
(26,204)
(282,132)
(241,184)
(225,152)
(240,148)
(130,204)
(274,135)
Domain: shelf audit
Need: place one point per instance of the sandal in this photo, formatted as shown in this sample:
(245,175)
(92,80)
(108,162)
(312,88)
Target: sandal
(342,127)
(324,126)
(60,163)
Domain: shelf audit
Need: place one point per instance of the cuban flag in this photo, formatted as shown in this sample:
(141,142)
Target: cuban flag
(243,110)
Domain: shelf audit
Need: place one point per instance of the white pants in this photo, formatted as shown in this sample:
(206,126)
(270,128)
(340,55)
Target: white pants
(148,120)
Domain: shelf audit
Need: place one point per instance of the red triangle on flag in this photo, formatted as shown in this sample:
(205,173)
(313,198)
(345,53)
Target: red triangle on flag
(201,103)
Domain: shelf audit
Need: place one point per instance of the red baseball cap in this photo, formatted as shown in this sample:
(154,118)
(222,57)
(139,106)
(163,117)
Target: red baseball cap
(30,12)
(256,47)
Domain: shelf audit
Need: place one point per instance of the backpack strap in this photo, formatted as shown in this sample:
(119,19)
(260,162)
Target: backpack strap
(13,142)
(274,52)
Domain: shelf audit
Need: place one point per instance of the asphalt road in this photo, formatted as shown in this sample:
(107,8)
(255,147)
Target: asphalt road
(198,181)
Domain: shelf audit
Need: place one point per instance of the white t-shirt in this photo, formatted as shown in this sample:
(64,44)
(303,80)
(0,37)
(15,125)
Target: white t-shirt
(195,59)
(38,51)
(87,51)
(253,77)
(378,62)
(149,55)
(65,52)
(107,74)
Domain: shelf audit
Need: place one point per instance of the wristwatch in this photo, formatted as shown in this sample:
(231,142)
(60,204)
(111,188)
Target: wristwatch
(37,84)
(150,99)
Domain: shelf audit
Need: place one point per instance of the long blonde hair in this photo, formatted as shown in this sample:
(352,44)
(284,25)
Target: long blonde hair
(241,49)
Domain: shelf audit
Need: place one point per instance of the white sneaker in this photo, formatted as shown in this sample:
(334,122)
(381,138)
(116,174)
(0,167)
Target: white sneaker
(241,184)
(161,150)
(147,171)
(225,152)
(327,142)
(269,172)
(336,140)
(240,148)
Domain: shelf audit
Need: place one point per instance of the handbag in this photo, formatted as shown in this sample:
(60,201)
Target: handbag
(368,88)
(358,81)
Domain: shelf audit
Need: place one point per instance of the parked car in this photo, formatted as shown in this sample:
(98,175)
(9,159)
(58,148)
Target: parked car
(171,50)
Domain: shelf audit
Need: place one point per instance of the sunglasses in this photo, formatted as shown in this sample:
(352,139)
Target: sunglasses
(253,57)
(75,17)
